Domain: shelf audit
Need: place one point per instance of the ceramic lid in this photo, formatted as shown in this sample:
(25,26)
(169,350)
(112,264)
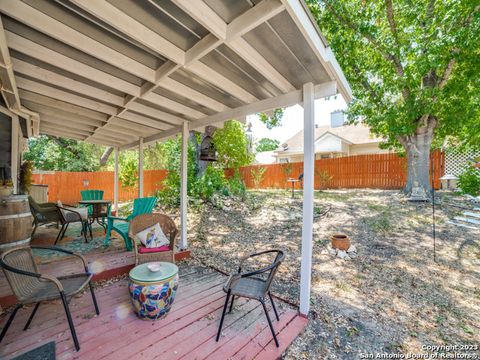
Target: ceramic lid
(143,274)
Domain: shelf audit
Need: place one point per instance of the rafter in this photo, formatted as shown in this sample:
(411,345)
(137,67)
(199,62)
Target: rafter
(238,27)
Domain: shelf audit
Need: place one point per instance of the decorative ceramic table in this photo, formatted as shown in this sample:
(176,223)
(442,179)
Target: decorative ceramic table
(152,292)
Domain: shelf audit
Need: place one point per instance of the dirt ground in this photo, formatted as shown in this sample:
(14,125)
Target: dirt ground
(390,298)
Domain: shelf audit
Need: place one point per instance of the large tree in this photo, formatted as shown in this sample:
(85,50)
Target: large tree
(56,153)
(414,69)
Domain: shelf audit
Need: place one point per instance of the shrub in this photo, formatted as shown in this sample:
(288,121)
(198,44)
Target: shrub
(469,181)
(237,186)
(212,181)
(258,175)
(324,178)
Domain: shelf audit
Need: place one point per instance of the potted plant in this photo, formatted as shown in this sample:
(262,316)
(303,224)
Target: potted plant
(6,187)
(25,179)
(340,242)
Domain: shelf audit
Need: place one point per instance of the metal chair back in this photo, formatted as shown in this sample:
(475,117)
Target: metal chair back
(21,259)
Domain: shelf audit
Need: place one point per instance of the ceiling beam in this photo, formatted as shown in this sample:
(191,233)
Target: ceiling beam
(252,18)
(156,137)
(53,78)
(66,96)
(284,100)
(51,111)
(40,21)
(138,32)
(57,133)
(308,27)
(56,59)
(60,105)
(142,120)
(132,28)
(49,56)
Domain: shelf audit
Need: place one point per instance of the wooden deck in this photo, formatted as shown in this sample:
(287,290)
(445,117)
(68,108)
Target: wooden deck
(188,332)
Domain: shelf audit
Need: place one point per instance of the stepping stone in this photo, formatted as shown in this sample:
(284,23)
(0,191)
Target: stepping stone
(471,214)
(462,225)
(472,221)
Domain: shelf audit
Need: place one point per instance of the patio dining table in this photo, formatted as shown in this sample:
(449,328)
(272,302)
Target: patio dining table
(99,211)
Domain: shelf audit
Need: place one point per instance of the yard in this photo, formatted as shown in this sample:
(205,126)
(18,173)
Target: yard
(391,297)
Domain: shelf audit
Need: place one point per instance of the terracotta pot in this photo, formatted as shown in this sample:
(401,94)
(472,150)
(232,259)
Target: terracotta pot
(340,242)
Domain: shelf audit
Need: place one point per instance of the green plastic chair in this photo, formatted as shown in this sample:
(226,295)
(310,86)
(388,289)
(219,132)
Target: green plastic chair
(92,194)
(121,225)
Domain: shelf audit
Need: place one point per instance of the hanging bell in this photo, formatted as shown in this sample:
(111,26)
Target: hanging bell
(207,147)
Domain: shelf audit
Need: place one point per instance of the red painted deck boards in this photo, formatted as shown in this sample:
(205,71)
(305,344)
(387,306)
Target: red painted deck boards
(188,332)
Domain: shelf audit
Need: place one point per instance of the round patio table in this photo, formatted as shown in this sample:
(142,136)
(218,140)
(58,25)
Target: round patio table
(99,211)
(152,293)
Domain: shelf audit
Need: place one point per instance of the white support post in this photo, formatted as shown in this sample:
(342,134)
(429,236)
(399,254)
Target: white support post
(15,153)
(183,187)
(115,181)
(308,180)
(140,168)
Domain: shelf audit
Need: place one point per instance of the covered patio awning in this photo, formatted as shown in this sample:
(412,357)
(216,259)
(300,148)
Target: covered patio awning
(110,72)
(125,73)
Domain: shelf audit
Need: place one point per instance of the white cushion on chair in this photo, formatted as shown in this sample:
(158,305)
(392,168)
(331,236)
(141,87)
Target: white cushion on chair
(153,237)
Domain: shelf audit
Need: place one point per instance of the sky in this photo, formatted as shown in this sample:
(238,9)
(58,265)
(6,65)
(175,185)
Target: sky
(292,121)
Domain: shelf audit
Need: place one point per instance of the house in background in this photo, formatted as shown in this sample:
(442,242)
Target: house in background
(336,140)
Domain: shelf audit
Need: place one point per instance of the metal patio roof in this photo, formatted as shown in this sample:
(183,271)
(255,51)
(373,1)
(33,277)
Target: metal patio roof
(112,72)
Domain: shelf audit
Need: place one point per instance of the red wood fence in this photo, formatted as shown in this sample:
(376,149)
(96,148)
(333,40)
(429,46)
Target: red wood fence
(66,186)
(383,171)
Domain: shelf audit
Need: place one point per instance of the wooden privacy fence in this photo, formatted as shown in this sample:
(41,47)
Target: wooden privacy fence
(382,171)
(66,186)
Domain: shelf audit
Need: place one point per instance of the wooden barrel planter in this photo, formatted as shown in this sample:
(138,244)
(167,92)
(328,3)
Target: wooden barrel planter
(15,222)
(340,242)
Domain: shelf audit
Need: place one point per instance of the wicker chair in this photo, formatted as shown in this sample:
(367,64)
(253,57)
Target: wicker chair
(254,285)
(141,222)
(31,287)
(43,213)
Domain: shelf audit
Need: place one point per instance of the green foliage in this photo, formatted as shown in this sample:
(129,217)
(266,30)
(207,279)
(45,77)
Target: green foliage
(273,120)
(172,153)
(55,153)
(324,178)
(266,144)
(236,186)
(409,63)
(128,164)
(26,171)
(212,181)
(287,169)
(469,181)
(257,175)
(232,145)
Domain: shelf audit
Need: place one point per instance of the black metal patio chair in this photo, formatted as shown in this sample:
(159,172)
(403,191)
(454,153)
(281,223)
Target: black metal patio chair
(69,214)
(31,287)
(254,285)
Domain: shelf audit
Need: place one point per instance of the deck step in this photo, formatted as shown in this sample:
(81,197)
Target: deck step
(471,214)
(468,220)
(462,225)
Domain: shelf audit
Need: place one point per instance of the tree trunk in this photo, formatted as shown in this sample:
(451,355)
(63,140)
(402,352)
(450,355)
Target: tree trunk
(417,147)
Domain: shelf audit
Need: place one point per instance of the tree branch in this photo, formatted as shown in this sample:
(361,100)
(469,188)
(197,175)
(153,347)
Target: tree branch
(447,73)
(385,54)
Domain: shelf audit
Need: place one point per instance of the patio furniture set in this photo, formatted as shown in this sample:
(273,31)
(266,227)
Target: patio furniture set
(154,280)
